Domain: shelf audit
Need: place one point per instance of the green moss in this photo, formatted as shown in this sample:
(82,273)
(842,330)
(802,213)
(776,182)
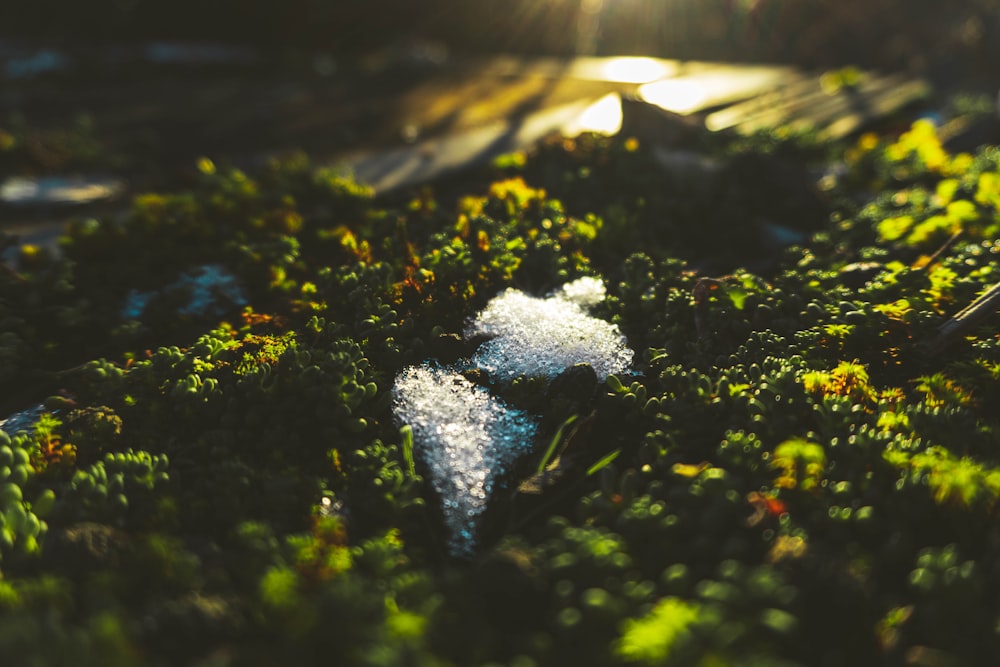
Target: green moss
(655,638)
(784,449)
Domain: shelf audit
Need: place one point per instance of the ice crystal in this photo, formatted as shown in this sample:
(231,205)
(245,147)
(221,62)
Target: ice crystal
(586,292)
(467,438)
(470,439)
(544,336)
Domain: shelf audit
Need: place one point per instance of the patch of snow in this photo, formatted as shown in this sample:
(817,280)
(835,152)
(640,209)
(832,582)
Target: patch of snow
(585,292)
(135,304)
(211,286)
(211,291)
(543,337)
(467,437)
(22,421)
(59,190)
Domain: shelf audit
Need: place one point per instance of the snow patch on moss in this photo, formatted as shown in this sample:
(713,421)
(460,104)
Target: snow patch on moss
(209,291)
(542,337)
(466,437)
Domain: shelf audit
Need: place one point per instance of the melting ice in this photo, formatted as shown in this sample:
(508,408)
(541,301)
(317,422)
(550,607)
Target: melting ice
(469,438)
(543,337)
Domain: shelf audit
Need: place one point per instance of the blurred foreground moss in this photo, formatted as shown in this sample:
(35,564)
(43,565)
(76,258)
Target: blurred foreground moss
(787,478)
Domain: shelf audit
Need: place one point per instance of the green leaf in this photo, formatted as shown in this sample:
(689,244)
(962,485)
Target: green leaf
(406,433)
(554,444)
(603,463)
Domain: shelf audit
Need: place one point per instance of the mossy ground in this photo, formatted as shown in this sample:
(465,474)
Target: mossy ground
(788,478)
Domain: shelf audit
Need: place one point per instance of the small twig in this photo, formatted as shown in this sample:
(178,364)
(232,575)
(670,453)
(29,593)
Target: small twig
(966,319)
(945,247)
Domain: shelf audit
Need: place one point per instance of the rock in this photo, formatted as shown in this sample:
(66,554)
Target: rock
(87,546)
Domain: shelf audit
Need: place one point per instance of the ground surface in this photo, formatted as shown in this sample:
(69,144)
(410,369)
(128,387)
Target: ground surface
(210,458)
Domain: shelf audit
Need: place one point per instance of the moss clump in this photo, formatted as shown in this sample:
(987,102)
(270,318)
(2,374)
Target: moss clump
(230,485)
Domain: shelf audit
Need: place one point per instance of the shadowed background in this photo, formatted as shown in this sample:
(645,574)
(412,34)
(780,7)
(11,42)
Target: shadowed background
(891,34)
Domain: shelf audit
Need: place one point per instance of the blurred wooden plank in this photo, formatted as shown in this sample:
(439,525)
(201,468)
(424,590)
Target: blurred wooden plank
(661,112)
(624,69)
(880,106)
(407,125)
(808,109)
(807,104)
(397,168)
(460,103)
(781,102)
(707,87)
(858,101)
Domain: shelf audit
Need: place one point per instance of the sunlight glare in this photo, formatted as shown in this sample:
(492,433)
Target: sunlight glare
(674,95)
(602,117)
(713,86)
(636,70)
